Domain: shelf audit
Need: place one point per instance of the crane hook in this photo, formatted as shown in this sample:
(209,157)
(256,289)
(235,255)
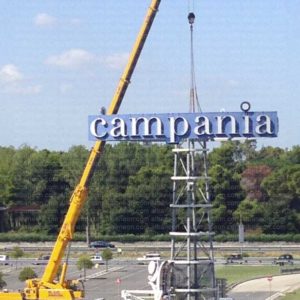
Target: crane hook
(191,18)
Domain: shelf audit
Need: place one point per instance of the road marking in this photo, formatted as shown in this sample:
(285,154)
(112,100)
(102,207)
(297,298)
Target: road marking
(7,270)
(98,274)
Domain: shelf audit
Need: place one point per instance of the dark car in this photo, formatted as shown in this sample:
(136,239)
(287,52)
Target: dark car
(235,258)
(42,260)
(284,259)
(101,244)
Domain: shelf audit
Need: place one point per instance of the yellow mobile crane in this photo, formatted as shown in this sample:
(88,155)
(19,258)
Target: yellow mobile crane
(46,288)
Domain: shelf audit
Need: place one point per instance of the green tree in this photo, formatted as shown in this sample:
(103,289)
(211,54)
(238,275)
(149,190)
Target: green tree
(227,155)
(52,213)
(279,219)
(45,175)
(27,273)
(270,156)
(150,194)
(6,161)
(36,177)
(127,222)
(250,212)
(107,255)
(226,165)
(84,262)
(2,282)
(226,194)
(22,187)
(283,186)
(248,149)
(72,163)
(293,156)
(16,253)
(282,212)
(113,204)
(135,180)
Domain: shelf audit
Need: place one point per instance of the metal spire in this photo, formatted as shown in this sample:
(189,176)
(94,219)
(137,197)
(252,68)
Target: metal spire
(194,103)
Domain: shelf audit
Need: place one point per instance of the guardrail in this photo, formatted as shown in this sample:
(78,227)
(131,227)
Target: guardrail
(290,270)
(159,247)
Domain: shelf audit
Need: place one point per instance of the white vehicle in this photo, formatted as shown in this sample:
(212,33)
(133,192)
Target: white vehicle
(4,259)
(149,257)
(97,259)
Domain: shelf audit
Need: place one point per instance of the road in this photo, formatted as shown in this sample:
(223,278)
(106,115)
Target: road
(265,288)
(157,247)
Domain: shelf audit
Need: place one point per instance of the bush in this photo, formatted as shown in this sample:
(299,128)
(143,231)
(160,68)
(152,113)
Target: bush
(2,282)
(27,273)
(25,237)
(84,262)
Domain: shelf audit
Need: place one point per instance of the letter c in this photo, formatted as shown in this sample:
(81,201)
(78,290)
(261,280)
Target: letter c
(94,128)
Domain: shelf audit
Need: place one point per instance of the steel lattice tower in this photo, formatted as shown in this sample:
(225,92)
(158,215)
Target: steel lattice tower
(192,274)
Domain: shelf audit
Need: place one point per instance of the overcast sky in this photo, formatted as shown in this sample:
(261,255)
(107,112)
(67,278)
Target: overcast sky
(60,61)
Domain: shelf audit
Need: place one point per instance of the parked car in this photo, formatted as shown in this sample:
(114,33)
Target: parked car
(42,260)
(97,259)
(149,257)
(235,258)
(101,244)
(4,259)
(284,259)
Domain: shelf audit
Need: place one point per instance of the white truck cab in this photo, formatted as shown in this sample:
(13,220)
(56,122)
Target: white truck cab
(4,259)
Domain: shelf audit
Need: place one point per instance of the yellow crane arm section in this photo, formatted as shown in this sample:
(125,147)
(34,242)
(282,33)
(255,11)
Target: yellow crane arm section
(79,195)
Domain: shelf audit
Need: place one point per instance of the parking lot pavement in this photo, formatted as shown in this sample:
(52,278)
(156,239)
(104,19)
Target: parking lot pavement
(109,285)
(99,284)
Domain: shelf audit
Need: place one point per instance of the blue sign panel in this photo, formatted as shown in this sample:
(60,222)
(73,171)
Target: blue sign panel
(173,127)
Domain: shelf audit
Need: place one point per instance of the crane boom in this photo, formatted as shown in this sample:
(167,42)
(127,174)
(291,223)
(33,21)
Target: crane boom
(46,287)
(80,193)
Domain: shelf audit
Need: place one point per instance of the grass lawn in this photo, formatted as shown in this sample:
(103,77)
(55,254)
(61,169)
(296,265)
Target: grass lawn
(292,296)
(240,273)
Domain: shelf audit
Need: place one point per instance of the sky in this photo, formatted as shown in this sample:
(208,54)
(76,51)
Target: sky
(61,60)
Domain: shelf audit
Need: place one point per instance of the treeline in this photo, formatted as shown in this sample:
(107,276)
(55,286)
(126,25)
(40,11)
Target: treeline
(131,189)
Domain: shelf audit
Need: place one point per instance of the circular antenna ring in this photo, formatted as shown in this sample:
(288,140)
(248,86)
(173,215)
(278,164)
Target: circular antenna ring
(245,106)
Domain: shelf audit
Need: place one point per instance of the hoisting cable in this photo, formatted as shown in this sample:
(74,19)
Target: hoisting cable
(194,103)
(190,5)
